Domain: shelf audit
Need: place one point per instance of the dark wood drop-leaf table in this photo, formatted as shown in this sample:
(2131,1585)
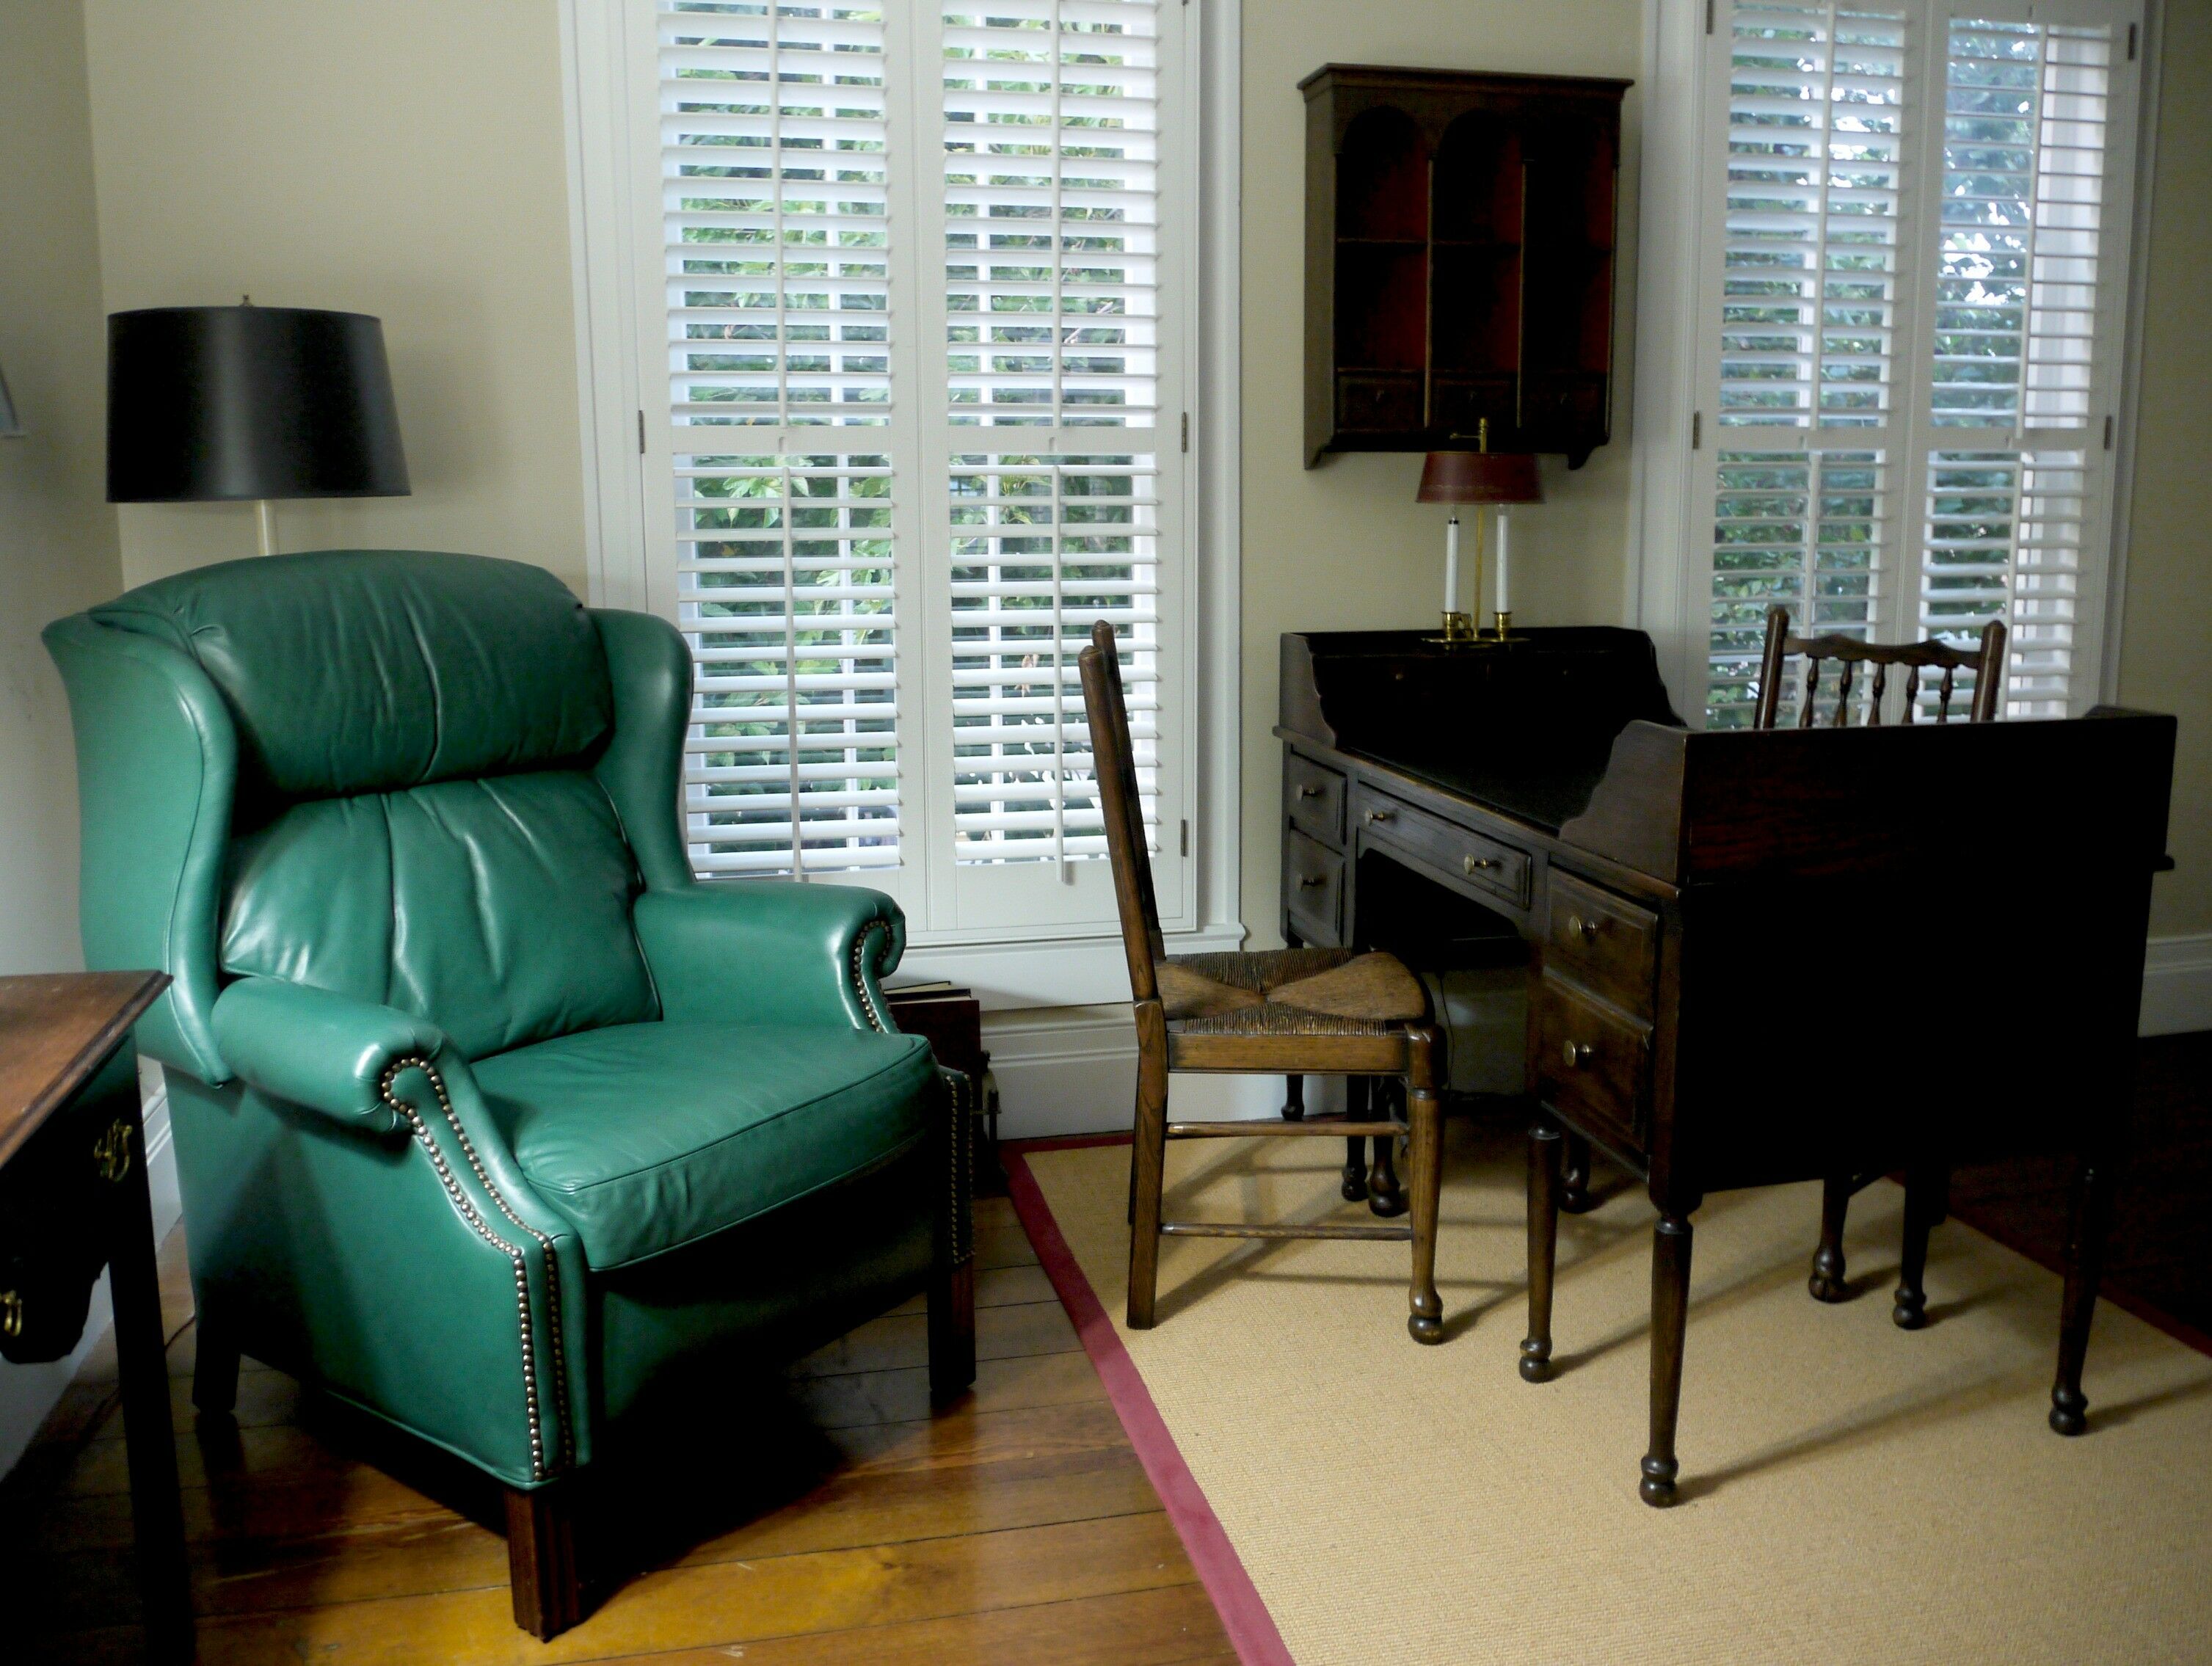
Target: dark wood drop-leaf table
(67,1060)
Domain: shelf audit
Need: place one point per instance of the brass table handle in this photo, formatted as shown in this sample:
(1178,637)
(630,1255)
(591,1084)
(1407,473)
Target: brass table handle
(1476,864)
(111,1153)
(1577,1054)
(11,1314)
(1309,791)
(1381,816)
(1585,929)
(1313,879)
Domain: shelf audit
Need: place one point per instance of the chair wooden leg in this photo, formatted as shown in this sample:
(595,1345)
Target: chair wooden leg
(543,1573)
(1294,1098)
(2085,1264)
(1148,1162)
(1826,1282)
(1544,1143)
(951,1332)
(1424,1156)
(1924,1190)
(1575,1197)
(1670,1319)
(1356,1100)
(215,1367)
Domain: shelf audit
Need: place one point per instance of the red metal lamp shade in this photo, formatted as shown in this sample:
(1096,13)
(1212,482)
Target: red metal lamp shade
(1478,477)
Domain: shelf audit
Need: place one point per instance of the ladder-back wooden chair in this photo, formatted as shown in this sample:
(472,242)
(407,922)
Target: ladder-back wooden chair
(1926,1184)
(1283,1012)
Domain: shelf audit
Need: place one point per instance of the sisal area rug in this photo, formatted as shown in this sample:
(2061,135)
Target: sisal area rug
(1850,1493)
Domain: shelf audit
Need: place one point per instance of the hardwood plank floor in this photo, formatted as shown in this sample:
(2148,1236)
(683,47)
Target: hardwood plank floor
(1019,1526)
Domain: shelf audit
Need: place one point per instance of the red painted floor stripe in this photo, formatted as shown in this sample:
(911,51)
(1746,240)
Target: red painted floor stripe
(1251,1629)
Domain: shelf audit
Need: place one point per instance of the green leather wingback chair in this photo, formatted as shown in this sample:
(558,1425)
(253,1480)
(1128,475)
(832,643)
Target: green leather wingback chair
(490,1119)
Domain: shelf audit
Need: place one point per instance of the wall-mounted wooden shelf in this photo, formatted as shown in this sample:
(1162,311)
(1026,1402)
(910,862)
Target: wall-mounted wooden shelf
(1459,260)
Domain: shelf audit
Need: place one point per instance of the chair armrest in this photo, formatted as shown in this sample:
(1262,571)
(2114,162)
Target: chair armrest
(771,951)
(314,1047)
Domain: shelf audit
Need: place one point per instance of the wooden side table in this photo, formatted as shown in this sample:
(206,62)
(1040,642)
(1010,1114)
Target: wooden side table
(952,1020)
(62,1040)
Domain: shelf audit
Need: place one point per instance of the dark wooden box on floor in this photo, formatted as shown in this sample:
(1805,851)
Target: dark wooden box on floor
(951,1020)
(1460,234)
(1731,931)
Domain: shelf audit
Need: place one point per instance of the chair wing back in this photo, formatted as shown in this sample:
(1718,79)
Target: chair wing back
(406,806)
(1108,715)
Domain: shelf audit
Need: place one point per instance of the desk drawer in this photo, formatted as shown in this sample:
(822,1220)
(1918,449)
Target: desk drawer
(1602,941)
(1313,799)
(1467,856)
(1590,1063)
(1313,891)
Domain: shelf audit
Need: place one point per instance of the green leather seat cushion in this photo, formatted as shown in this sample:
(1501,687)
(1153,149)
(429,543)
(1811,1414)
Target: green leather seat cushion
(649,1136)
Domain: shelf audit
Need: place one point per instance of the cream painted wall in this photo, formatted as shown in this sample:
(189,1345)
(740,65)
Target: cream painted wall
(57,537)
(1344,546)
(2166,649)
(400,157)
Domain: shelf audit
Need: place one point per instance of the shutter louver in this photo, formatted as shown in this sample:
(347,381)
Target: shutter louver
(1052,251)
(775,159)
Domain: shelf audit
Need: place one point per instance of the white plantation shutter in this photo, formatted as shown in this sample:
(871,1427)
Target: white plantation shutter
(909,287)
(1052,226)
(775,153)
(2028,142)
(1917,287)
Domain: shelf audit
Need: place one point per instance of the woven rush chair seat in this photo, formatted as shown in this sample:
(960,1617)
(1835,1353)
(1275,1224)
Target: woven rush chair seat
(1290,992)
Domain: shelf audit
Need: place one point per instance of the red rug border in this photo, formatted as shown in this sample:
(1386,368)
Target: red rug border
(1250,1627)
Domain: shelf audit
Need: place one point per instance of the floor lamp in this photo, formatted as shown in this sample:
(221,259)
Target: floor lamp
(246,403)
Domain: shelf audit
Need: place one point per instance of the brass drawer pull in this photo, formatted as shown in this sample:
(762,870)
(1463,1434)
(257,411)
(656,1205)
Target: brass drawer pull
(1381,816)
(1473,864)
(1585,929)
(1308,791)
(1577,1054)
(1311,879)
(111,1153)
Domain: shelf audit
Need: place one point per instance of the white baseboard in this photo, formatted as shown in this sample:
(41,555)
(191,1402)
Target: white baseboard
(29,1393)
(1073,1070)
(2177,985)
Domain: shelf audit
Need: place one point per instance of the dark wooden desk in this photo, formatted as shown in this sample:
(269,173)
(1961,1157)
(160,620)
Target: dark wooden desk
(1726,930)
(65,1050)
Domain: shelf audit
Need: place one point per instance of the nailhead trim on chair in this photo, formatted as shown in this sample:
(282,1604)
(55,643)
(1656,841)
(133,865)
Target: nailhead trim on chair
(963,1227)
(468,1211)
(873,929)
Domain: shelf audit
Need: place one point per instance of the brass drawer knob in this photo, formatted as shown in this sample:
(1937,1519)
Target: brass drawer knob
(1381,816)
(1309,791)
(1473,865)
(1577,1054)
(11,1314)
(1310,879)
(1585,929)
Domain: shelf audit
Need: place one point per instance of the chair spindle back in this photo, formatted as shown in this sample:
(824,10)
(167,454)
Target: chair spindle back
(1986,661)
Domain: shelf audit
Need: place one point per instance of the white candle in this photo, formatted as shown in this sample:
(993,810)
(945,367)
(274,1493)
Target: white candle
(1451,564)
(1504,604)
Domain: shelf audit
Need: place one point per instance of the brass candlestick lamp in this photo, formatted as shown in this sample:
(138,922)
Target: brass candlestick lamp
(1478,477)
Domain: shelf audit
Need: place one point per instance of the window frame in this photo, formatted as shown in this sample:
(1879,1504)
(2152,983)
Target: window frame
(1675,436)
(1018,957)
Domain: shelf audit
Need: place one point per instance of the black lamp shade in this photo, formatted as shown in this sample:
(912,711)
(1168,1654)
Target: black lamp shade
(207,403)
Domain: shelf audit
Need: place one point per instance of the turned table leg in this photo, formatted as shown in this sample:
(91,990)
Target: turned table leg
(1575,1197)
(1924,1207)
(1356,1098)
(1294,1098)
(1544,1144)
(1670,1316)
(2085,1264)
(1827,1282)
